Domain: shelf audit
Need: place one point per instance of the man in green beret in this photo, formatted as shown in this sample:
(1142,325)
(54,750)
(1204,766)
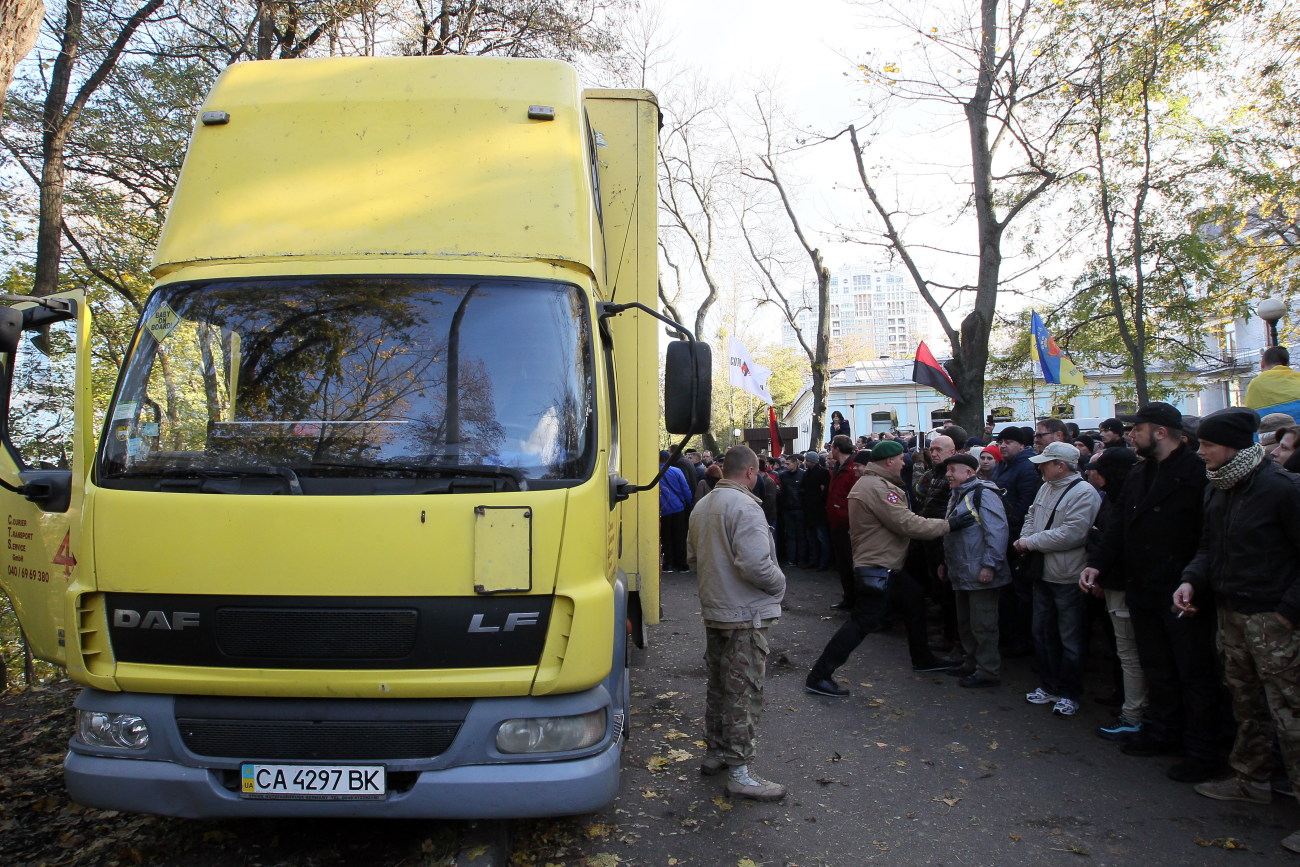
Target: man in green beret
(880,526)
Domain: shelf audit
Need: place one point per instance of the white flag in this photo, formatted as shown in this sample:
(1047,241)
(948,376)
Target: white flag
(746,374)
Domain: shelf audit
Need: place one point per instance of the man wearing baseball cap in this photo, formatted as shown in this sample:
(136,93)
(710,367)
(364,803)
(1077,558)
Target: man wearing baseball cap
(1249,559)
(880,526)
(1150,537)
(1056,528)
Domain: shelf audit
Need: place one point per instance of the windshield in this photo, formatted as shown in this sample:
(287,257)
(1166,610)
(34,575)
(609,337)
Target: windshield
(355,377)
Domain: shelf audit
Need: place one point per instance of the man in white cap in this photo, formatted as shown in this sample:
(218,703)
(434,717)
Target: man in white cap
(1052,540)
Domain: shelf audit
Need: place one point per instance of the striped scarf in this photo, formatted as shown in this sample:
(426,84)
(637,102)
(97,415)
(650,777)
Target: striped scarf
(1238,468)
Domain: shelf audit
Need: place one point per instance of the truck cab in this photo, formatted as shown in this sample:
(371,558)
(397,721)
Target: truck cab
(356,535)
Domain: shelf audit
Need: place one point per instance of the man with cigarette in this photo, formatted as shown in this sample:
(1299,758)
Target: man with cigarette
(1249,561)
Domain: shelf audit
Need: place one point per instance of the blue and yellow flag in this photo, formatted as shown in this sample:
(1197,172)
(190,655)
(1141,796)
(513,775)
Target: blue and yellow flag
(1057,369)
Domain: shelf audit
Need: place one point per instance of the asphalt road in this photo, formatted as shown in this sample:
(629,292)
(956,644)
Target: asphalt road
(910,769)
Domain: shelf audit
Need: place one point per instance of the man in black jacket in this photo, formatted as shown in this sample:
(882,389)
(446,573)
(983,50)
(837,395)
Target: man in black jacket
(816,481)
(1016,475)
(1249,555)
(1150,537)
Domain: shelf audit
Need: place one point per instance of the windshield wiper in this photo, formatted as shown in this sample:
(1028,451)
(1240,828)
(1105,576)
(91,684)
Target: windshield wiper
(491,471)
(206,473)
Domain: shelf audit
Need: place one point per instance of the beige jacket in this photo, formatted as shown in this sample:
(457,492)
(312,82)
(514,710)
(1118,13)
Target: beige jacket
(881,524)
(731,550)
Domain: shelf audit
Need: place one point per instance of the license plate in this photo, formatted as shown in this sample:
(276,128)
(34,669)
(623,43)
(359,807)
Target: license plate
(326,782)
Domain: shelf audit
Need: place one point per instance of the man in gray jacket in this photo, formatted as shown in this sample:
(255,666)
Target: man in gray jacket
(1055,532)
(975,564)
(730,548)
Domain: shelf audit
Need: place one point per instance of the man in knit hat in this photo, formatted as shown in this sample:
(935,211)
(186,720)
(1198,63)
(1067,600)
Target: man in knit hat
(880,525)
(1249,560)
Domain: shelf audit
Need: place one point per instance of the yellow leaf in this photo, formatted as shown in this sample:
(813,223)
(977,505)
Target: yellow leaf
(675,735)
(993,746)
(598,829)
(679,755)
(656,763)
(722,803)
(745,862)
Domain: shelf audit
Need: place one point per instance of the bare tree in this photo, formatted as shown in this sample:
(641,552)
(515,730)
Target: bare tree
(1011,143)
(767,170)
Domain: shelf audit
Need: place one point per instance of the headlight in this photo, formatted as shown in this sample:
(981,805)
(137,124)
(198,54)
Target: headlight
(116,731)
(551,734)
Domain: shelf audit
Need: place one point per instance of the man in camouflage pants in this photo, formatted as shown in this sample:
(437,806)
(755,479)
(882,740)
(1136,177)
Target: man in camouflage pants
(731,550)
(1249,558)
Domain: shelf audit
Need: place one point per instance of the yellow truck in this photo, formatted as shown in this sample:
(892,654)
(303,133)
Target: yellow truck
(357,536)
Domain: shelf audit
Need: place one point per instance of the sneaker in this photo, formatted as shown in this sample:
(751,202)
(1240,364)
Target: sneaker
(747,785)
(934,665)
(1121,729)
(1041,696)
(1194,770)
(1065,707)
(1283,787)
(975,681)
(825,686)
(758,790)
(665,571)
(712,765)
(1236,789)
(1292,842)
(959,670)
(842,606)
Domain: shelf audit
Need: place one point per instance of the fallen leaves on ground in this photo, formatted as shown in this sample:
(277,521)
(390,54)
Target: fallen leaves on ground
(1221,842)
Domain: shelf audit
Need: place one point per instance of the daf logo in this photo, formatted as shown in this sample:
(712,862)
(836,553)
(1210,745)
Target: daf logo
(513,619)
(125,618)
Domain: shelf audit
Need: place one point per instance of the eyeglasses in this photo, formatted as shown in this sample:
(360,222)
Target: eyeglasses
(1039,436)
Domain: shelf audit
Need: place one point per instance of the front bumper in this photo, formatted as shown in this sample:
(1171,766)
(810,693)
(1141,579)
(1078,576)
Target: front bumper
(470,792)
(468,780)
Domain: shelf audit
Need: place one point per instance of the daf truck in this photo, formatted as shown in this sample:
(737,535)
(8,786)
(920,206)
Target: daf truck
(358,531)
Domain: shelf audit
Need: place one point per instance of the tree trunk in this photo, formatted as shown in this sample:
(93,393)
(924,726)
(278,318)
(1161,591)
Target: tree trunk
(20,23)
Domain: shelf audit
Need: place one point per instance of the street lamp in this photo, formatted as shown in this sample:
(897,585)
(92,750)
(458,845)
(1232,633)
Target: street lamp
(735,436)
(1271,310)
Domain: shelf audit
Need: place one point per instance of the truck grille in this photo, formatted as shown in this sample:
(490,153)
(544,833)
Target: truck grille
(316,633)
(324,633)
(320,741)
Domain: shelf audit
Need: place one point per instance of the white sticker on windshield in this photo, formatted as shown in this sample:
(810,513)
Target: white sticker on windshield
(162,322)
(134,447)
(126,409)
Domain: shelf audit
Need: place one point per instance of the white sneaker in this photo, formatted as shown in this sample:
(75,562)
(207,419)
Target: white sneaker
(1041,696)
(746,785)
(1065,707)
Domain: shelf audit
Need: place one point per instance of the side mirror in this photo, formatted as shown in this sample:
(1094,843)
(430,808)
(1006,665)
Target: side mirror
(688,388)
(11,329)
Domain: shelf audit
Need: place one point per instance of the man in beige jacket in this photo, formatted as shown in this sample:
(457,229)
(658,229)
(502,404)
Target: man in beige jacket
(731,549)
(881,525)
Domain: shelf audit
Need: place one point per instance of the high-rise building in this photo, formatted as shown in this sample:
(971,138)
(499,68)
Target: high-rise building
(873,314)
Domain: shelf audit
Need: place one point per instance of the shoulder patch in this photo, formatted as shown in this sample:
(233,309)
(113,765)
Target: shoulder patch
(893,498)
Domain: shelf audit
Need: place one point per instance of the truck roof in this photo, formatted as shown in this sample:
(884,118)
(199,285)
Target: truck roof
(423,157)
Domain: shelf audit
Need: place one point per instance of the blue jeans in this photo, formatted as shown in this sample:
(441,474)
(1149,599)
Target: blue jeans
(818,536)
(1059,638)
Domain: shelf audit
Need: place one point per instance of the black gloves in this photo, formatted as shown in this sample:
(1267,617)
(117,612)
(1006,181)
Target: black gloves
(960,522)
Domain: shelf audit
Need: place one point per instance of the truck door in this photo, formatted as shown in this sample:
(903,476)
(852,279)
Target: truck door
(45,452)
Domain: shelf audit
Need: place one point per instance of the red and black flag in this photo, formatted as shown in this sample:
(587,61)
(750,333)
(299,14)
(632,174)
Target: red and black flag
(927,371)
(776,437)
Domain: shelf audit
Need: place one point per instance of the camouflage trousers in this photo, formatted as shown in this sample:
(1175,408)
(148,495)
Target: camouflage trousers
(1261,666)
(737,661)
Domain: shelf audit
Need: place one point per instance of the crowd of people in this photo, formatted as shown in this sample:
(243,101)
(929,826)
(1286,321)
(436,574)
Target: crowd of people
(1173,540)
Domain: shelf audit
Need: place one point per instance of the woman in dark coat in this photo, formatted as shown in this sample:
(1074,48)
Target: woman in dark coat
(839,426)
